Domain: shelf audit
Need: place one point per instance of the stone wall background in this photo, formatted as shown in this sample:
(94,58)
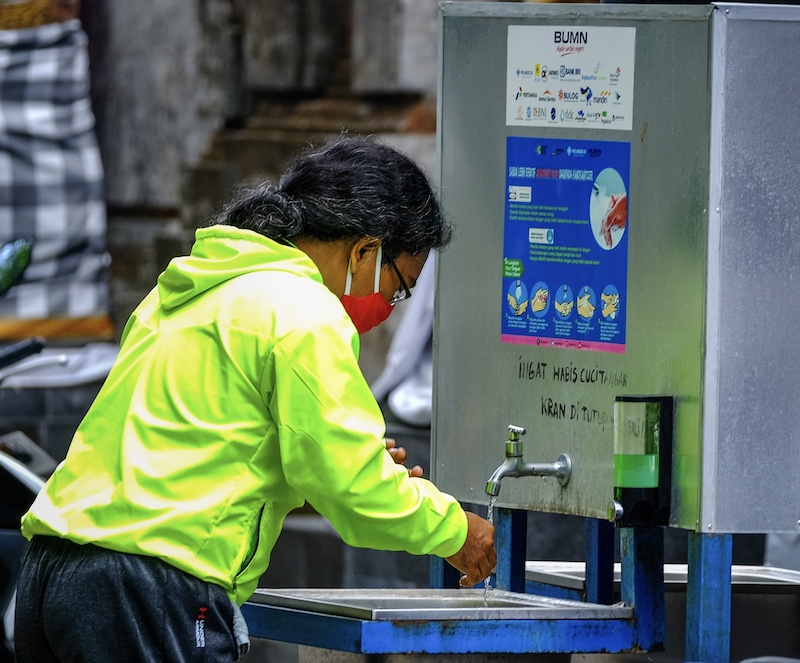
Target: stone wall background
(192,96)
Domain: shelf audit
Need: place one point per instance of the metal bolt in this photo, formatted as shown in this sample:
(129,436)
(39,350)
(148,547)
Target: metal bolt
(717,210)
(709,525)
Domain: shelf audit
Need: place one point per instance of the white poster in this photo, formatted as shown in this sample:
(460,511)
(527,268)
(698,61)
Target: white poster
(570,76)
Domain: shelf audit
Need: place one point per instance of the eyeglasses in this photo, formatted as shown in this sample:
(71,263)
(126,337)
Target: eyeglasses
(403,293)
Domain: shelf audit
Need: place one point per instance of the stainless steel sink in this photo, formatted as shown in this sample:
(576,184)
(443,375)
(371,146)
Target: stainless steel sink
(744,578)
(434,604)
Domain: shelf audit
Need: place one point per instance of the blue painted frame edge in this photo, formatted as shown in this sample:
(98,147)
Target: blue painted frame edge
(433,637)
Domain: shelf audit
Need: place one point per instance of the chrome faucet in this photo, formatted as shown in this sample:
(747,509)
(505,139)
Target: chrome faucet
(514,466)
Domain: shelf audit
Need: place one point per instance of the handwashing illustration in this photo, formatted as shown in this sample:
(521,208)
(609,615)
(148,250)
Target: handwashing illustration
(518,298)
(610,304)
(608,208)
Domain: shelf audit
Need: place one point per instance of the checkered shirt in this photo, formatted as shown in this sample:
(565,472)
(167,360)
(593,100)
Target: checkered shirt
(51,176)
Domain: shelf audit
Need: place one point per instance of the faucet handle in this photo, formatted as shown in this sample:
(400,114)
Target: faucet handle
(513,445)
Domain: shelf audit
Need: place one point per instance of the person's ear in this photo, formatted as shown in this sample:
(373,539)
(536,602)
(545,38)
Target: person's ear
(362,252)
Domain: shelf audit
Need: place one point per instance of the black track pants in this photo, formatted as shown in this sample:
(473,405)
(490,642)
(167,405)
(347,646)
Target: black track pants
(82,603)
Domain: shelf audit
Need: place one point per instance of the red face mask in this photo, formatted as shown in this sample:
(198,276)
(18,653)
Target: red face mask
(370,311)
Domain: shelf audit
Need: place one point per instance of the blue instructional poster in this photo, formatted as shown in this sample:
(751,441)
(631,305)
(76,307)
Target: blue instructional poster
(565,243)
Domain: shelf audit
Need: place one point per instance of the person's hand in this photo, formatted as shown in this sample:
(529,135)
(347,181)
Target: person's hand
(477,556)
(616,219)
(539,301)
(399,456)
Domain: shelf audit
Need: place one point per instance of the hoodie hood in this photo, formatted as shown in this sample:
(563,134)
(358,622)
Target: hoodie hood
(221,253)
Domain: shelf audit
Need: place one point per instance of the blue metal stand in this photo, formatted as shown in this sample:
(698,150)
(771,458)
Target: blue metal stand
(599,576)
(642,562)
(708,598)
(511,537)
(624,629)
(599,569)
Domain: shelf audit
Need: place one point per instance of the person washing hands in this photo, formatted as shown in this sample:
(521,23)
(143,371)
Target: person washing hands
(237,397)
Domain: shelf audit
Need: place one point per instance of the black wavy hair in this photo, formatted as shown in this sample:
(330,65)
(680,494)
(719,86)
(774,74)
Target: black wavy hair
(350,188)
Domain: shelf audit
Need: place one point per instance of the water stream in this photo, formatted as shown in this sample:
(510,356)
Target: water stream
(490,518)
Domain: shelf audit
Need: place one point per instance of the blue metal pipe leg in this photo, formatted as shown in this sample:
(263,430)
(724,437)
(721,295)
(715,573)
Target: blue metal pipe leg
(708,598)
(599,561)
(642,560)
(511,537)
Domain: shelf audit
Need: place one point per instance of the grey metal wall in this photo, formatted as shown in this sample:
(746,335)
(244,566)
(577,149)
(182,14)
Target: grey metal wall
(699,325)
(752,446)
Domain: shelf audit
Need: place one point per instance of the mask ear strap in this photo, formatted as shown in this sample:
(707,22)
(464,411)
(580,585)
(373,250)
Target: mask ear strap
(349,279)
(378,258)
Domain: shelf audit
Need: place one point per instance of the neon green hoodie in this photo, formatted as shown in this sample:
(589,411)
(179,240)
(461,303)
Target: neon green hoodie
(236,396)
